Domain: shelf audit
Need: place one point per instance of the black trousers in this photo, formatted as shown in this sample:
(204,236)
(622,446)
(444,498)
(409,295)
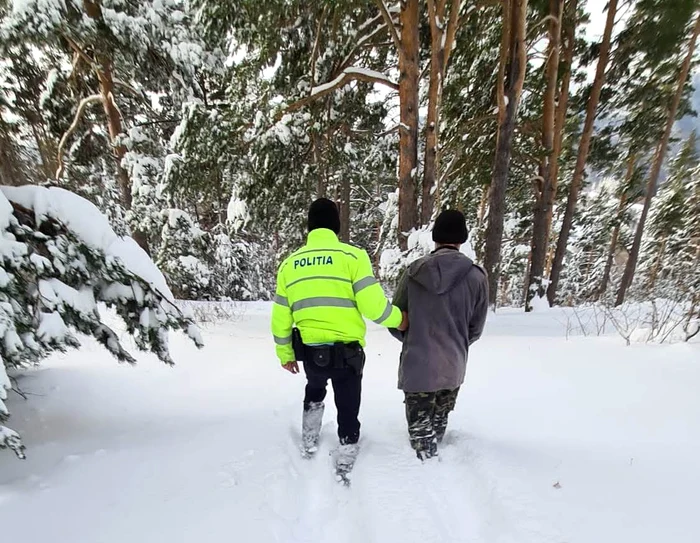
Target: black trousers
(347,389)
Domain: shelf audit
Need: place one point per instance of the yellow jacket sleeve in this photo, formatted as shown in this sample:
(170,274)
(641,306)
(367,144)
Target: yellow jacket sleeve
(282,321)
(370,298)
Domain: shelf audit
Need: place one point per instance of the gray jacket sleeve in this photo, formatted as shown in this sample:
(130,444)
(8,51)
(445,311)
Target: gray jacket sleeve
(400,300)
(481,305)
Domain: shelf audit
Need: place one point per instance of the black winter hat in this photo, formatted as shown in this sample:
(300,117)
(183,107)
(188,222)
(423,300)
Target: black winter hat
(323,213)
(450,228)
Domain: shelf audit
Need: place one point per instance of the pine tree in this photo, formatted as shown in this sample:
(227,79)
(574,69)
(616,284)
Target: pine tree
(663,251)
(109,47)
(60,259)
(544,199)
(583,150)
(509,85)
(662,146)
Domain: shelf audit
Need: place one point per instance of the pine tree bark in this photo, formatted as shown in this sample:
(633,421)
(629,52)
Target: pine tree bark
(512,66)
(660,154)
(582,156)
(408,132)
(562,108)
(10,163)
(345,209)
(631,161)
(114,126)
(442,38)
(657,265)
(544,199)
(103,71)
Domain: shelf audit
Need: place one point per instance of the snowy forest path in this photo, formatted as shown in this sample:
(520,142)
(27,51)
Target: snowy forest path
(552,440)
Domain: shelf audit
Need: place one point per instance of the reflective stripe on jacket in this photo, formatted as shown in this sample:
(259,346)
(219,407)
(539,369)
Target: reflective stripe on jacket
(325,288)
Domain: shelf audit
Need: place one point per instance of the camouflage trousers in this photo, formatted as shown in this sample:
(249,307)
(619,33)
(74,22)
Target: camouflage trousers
(426,414)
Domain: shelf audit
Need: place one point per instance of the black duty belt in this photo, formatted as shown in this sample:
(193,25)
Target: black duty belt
(336,355)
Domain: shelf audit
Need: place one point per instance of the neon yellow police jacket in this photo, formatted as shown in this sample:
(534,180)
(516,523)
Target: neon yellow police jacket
(325,288)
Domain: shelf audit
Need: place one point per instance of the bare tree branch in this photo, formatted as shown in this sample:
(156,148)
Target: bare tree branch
(390,24)
(79,50)
(391,130)
(78,115)
(314,51)
(350,58)
(130,89)
(452,27)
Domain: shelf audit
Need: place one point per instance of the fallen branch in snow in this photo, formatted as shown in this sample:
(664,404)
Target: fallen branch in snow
(17,390)
(690,335)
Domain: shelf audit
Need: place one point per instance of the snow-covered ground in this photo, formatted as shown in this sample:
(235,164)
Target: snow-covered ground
(553,440)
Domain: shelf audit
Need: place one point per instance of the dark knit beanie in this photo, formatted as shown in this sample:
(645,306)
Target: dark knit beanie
(450,228)
(323,213)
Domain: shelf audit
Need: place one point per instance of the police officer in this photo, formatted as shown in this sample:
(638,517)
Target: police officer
(324,289)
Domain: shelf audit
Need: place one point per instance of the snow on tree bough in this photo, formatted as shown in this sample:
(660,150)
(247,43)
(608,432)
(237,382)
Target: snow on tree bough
(60,260)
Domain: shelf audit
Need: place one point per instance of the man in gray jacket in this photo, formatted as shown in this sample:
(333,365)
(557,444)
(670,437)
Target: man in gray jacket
(446,297)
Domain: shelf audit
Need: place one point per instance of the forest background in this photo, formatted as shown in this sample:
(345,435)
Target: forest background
(563,129)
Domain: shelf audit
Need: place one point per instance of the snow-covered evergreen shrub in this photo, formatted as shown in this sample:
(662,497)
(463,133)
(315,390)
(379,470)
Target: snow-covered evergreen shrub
(590,241)
(182,256)
(241,270)
(60,259)
(144,163)
(216,265)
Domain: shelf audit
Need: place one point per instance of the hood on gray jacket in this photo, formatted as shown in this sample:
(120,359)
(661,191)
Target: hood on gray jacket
(440,275)
(446,297)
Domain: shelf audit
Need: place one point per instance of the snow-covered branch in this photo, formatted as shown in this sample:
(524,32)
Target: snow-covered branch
(347,75)
(350,58)
(61,262)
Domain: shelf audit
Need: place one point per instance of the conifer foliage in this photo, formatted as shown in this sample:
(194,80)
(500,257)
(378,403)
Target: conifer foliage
(203,129)
(61,261)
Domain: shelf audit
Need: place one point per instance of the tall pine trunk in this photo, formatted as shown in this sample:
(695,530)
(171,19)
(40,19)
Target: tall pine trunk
(582,157)
(659,156)
(408,131)
(442,38)
(545,193)
(344,209)
(103,71)
(513,63)
(560,122)
(616,229)
(657,265)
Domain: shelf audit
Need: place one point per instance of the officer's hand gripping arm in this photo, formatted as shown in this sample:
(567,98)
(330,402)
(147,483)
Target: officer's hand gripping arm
(370,298)
(401,301)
